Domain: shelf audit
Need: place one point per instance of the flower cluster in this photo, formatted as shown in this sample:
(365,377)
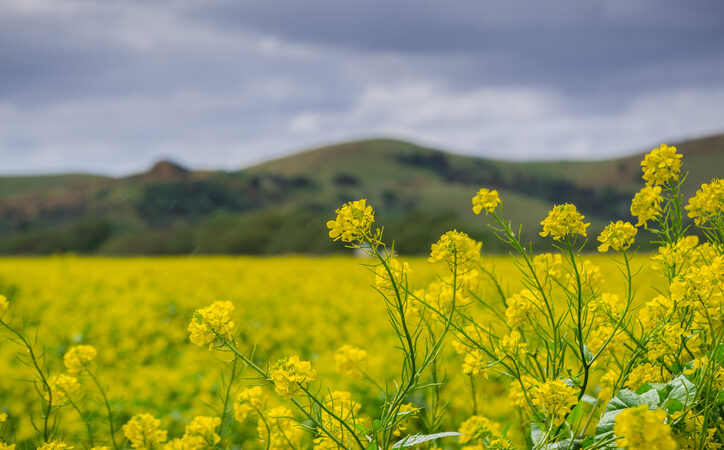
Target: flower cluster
(78,358)
(563,221)
(340,404)
(353,222)
(64,387)
(144,431)
(351,360)
(640,428)
(212,323)
(278,430)
(481,429)
(289,373)
(646,205)
(521,307)
(708,203)
(661,165)
(486,200)
(619,236)
(456,248)
(554,399)
(249,401)
(400,273)
(4,305)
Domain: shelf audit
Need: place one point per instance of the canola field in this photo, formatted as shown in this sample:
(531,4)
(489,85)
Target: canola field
(135,312)
(460,350)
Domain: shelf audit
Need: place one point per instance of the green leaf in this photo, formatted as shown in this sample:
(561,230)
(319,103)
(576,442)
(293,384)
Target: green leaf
(417,439)
(623,400)
(681,395)
(651,398)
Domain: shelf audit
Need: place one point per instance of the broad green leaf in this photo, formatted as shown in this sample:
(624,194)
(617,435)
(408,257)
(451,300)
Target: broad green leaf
(681,395)
(417,439)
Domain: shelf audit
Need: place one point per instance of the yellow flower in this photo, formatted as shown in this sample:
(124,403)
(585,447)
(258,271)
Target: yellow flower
(475,363)
(3,417)
(646,204)
(661,165)
(520,307)
(250,400)
(608,385)
(548,266)
(353,222)
(144,431)
(486,200)
(554,399)
(708,203)
(456,247)
(590,276)
(479,427)
(400,274)
(516,393)
(54,445)
(289,373)
(4,305)
(204,429)
(64,387)
(563,221)
(642,374)
(79,357)
(278,430)
(101,447)
(640,428)
(350,360)
(511,344)
(4,446)
(619,236)
(212,323)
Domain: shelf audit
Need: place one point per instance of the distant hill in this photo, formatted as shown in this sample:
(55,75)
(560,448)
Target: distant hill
(282,205)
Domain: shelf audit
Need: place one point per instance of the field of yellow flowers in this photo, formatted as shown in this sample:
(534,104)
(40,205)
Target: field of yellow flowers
(557,350)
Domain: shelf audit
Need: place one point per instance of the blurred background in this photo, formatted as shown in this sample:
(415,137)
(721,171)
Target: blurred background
(198,126)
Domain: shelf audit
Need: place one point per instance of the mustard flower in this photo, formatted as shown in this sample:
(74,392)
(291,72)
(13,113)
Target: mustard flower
(642,374)
(619,236)
(212,323)
(54,445)
(278,429)
(511,343)
(353,222)
(4,305)
(406,411)
(646,204)
(590,276)
(548,266)
(661,165)
(475,363)
(708,203)
(516,395)
(554,399)
(64,387)
(563,221)
(456,247)
(4,446)
(79,358)
(289,373)
(3,417)
(144,431)
(249,401)
(400,274)
(350,360)
(520,307)
(486,200)
(640,428)
(203,429)
(479,427)
(101,447)
(608,385)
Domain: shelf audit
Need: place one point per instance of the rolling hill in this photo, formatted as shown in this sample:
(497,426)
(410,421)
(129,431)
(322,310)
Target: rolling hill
(282,205)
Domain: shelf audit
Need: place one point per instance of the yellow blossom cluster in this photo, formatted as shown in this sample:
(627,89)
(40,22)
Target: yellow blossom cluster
(646,205)
(661,165)
(486,200)
(563,221)
(289,374)
(456,248)
(144,431)
(78,358)
(640,428)
(278,430)
(249,401)
(4,305)
(351,361)
(400,273)
(212,323)
(618,236)
(554,399)
(353,222)
(708,203)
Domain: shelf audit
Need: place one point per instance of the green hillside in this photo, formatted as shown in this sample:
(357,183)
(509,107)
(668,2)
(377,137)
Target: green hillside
(282,205)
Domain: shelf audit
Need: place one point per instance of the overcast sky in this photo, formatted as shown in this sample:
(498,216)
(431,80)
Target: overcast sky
(112,86)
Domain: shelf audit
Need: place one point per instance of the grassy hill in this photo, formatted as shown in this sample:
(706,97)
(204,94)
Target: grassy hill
(282,205)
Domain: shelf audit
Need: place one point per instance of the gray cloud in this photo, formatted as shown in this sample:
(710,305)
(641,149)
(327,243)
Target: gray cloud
(113,86)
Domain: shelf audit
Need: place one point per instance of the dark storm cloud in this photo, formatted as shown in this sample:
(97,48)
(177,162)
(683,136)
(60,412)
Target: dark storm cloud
(111,86)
